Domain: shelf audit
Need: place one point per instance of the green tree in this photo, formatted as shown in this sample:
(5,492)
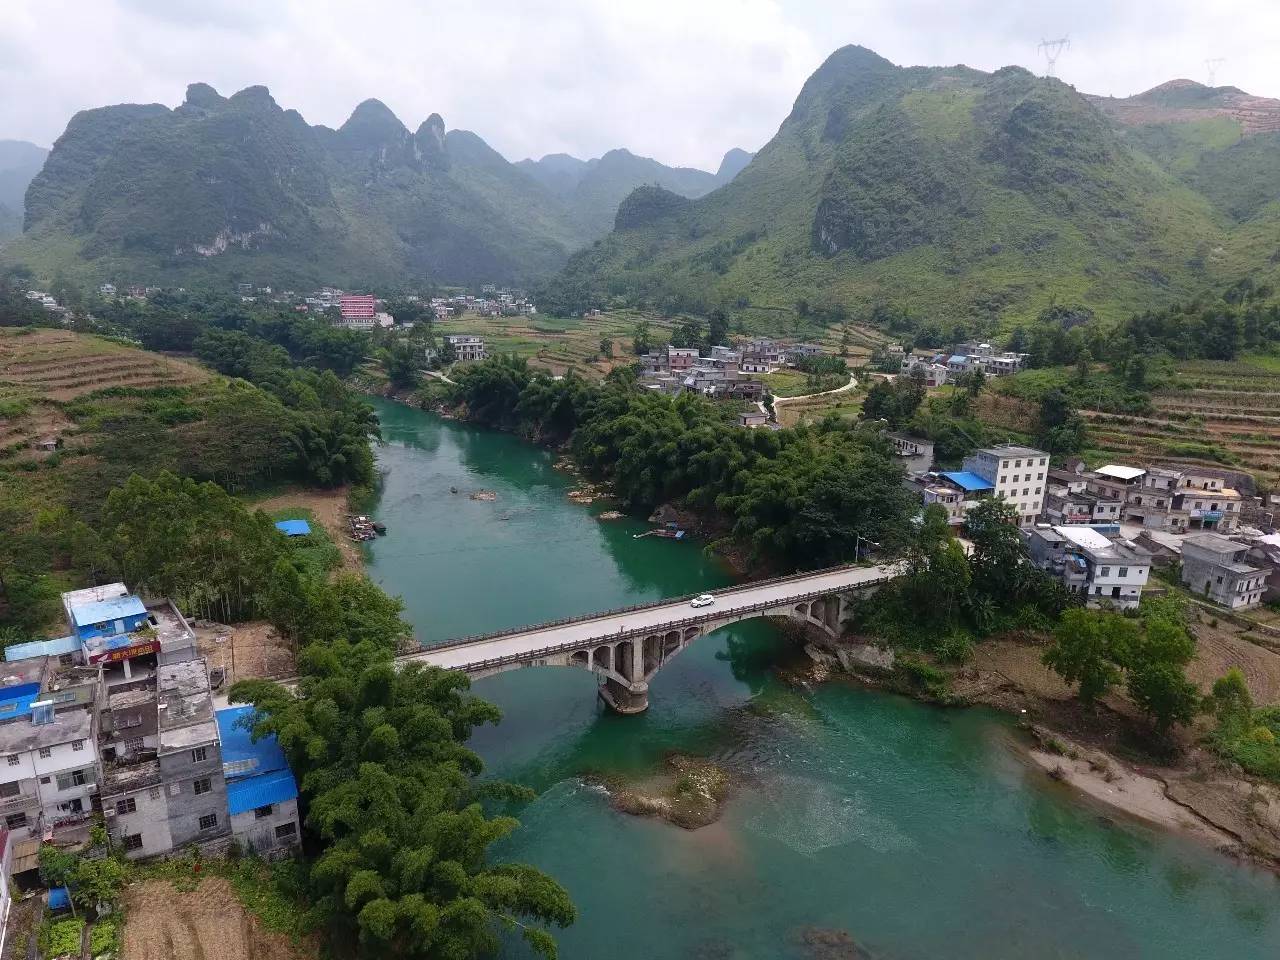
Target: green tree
(402,362)
(1087,647)
(641,342)
(606,347)
(1230,700)
(404,868)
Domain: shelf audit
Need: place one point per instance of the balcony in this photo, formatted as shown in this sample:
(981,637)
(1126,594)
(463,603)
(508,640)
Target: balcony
(21,800)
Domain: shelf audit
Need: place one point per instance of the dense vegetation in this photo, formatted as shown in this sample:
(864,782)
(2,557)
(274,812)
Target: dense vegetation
(800,498)
(948,600)
(238,188)
(963,199)
(288,417)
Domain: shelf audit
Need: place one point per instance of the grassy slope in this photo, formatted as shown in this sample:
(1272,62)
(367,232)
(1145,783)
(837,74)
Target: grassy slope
(1109,228)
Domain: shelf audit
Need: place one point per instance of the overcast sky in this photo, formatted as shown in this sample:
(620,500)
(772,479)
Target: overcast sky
(679,80)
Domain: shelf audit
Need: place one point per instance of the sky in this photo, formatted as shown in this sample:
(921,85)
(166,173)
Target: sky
(677,80)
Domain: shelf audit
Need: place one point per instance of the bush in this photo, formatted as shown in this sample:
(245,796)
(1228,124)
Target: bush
(104,938)
(924,676)
(61,938)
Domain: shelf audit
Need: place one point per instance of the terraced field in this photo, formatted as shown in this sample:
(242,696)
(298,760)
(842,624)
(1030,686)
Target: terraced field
(1221,413)
(560,344)
(42,369)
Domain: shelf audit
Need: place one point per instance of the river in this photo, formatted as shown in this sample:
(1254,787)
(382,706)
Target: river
(919,831)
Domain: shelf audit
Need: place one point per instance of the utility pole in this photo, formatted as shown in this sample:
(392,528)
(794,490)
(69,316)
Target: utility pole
(1052,49)
(1211,65)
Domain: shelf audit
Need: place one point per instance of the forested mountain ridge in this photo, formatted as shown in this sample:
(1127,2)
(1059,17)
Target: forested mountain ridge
(938,191)
(237,187)
(19,162)
(594,188)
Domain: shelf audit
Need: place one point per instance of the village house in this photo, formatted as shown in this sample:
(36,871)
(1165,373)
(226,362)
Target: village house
(466,347)
(262,795)
(357,312)
(1183,500)
(917,454)
(753,418)
(50,773)
(957,491)
(1106,570)
(1015,473)
(1219,569)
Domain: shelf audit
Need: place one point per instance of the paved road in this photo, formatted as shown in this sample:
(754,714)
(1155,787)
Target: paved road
(728,601)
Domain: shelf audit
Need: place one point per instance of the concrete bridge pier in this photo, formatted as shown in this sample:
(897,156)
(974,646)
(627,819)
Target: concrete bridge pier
(625,698)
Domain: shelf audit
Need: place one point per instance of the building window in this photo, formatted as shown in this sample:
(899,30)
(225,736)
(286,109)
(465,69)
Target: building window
(128,805)
(10,789)
(1124,571)
(77,745)
(133,744)
(198,755)
(13,759)
(132,842)
(45,753)
(203,785)
(208,821)
(1106,571)
(263,812)
(286,830)
(1017,463)
(15,820)
(155,793)
(76,778)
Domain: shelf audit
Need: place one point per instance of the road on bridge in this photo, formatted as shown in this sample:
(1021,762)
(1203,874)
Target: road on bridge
(728,601)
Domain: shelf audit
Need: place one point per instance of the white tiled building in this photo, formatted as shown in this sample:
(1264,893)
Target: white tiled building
(1017,474)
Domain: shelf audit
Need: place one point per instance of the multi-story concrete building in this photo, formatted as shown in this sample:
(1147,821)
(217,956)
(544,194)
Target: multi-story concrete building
(189,755)
(1183,500)
(262,796)
(358,312)
(916,454)
(1219,569)
(1017,474)
(50,769)
(1107,571)
(466,346)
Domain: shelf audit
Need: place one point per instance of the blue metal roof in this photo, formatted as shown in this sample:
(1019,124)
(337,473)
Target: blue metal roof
(967,480)
(102,611)
(250,793)
(17,706)
(957,358)
(42,648)
(59,898)
(238,747)
(294,528)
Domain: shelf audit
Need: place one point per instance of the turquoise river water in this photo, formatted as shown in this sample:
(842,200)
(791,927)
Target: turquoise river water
(918,831)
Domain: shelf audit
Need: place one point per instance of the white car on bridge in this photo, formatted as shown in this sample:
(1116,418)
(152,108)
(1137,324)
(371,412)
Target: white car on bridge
(705,600)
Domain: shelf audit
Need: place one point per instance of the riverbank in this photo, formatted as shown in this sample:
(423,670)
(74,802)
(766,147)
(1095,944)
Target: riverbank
(1101,753)
(1007,674)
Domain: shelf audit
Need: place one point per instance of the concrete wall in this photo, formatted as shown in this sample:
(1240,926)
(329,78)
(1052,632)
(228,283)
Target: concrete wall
(185,807)
(150,819)
(249,829)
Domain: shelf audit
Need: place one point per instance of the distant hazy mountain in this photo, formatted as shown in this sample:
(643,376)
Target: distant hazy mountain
(592,189)
(956,194)
(19,162)
(238,187)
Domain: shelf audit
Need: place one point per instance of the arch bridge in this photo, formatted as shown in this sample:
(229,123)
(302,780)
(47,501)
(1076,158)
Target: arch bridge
(626,648)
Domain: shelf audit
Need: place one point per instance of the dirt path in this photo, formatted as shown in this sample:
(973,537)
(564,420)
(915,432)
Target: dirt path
(208,923)
(330,508)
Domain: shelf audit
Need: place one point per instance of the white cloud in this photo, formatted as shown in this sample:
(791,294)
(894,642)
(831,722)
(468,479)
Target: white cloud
(676,80)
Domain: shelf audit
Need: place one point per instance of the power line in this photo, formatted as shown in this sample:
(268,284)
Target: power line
(1211,66)
(1052,49)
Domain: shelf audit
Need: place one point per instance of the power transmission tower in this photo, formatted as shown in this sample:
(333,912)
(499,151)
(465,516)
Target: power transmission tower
(1052,49)
(1212,66)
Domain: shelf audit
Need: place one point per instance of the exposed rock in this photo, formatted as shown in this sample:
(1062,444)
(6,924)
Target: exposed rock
(862,657)
(486,495)
(611,515)
(827,944)
(690,793)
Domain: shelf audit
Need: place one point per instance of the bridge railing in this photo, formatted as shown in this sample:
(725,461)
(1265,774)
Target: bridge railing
(600,615)
(591,642)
